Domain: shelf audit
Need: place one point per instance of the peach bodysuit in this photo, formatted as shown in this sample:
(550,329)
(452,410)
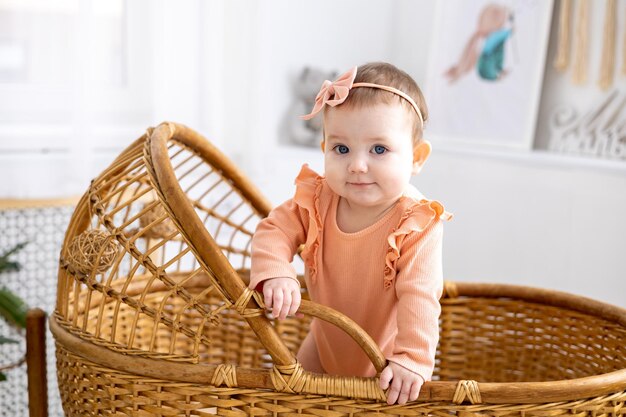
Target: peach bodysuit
(386,277)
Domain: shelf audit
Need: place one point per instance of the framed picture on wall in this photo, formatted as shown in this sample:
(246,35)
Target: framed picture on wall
(485,72)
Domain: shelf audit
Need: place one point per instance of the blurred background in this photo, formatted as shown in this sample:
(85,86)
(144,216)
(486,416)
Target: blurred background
(81,79)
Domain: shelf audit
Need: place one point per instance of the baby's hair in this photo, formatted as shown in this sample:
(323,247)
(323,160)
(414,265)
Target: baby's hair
(386,74)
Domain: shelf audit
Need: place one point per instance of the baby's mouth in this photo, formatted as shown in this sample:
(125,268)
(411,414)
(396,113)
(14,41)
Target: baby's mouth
(360,184)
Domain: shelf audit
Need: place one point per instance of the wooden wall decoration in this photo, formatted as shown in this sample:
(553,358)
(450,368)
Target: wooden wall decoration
(599,131)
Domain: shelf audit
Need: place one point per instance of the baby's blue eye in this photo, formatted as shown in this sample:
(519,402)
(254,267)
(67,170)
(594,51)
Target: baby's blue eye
(379,149)
(342,149)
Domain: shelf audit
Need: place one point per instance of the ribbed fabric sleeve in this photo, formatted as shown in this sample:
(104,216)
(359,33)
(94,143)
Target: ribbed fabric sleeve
(419,286)
(276,240)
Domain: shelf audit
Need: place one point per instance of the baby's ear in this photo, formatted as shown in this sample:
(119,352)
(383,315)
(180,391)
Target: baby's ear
(420,154)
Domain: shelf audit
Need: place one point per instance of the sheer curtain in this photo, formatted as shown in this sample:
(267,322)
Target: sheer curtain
(81,79)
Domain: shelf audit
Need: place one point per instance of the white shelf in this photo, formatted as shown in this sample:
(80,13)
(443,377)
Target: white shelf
(539,157)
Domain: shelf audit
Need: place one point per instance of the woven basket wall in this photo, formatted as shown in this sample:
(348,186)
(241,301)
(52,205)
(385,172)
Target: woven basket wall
(153,317)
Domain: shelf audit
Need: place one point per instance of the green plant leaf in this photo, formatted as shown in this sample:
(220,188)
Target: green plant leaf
(5,264)
(13,308)
(3,377)
(9,266)
(14,249)
(5,340)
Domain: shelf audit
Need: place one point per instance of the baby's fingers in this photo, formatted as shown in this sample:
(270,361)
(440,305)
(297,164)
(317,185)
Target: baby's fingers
(295,302)
(415,391)
(277,302)
(385,377)
(267,297)
(282,314)
(394,391)
(405,391)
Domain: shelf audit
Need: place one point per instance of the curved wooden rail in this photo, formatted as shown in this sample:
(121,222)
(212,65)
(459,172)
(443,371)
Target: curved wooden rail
(346,324)
(541,296)
(190,225)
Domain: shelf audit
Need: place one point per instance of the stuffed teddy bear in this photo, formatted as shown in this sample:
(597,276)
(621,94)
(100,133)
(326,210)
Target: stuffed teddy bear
(306,87)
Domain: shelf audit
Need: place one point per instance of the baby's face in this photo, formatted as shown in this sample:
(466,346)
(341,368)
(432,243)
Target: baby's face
(368,155)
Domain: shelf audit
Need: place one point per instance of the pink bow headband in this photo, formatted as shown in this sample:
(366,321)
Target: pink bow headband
(335,93)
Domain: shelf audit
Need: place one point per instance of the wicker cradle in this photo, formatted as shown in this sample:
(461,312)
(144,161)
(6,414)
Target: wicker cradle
(153,316)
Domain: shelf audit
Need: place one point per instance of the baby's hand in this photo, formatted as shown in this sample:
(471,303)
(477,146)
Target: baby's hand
(405,384)
(282,295)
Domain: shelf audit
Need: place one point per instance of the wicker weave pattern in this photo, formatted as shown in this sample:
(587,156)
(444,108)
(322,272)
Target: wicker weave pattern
(154,317)
(505,340)
(91,390)
(155,254)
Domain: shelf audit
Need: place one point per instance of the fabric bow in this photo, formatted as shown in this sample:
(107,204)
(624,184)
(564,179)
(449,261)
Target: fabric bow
(332,93)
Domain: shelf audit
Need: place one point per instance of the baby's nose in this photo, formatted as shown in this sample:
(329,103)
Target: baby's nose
(358,164)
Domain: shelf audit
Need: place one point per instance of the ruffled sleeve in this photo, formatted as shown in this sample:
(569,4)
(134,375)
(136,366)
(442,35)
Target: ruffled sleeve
(278,236)
(308,190)
(416,217)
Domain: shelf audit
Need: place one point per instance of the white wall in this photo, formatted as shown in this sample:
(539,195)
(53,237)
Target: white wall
(533,219)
